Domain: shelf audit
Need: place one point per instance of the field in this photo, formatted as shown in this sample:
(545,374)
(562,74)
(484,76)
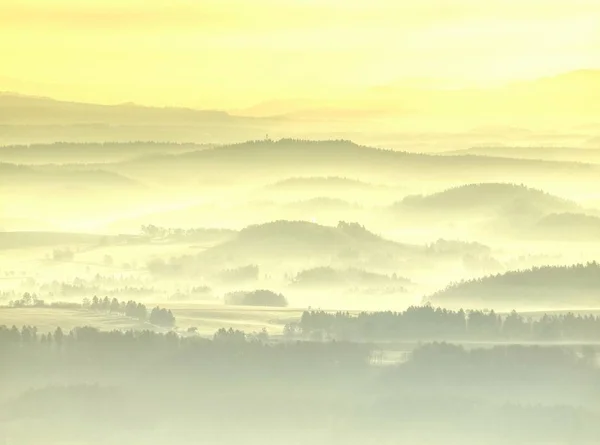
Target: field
(207,318)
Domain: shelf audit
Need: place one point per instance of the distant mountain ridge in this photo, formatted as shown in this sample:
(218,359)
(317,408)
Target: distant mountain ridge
(567,94)
(31,120)
(568,154)
(574,93)
(18,108)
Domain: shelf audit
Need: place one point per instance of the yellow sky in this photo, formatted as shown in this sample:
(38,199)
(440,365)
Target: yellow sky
(235,53)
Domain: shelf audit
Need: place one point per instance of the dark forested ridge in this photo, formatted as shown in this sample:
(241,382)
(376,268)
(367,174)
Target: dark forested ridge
(570,286)
(425,323)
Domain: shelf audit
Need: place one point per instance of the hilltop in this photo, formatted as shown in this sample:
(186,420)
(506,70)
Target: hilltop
(538,287)
(485,196)
(319,183)
(295,244)
(302,236)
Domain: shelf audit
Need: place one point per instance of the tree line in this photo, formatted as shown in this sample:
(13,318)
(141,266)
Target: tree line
(157,316)
(237,352)
(133,351)
(558,281)
(429,323)
(205,388)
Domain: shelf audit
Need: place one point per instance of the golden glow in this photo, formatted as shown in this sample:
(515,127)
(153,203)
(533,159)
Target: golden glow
(236,53)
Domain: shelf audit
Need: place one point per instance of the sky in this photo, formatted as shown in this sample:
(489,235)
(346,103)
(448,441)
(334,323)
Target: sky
(231,54)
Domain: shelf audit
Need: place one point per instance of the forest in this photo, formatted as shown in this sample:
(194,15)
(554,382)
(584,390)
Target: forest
(207,388)
(426,323)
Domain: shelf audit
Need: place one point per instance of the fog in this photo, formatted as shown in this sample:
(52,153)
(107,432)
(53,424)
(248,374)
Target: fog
(390,265)
(293,291)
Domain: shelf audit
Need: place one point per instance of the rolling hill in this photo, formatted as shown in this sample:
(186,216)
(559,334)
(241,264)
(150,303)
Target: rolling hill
(267,160)
(291,237)
(567,226)
(566,154)
(63,176)
(82,153)
(484,197)
(320,184)
(558,287)
(293,245)
(328,277)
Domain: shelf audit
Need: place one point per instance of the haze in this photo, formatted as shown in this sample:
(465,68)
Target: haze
(234,54)
(289,222)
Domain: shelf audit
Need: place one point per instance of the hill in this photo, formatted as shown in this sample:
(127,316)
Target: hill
(568,226)
(84,153)
(278,160)
(294,244)
(566,154)
(320,184)
(239,214)
(306,236)
(486,196)
(541,287)
(57,176)
(328,277)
